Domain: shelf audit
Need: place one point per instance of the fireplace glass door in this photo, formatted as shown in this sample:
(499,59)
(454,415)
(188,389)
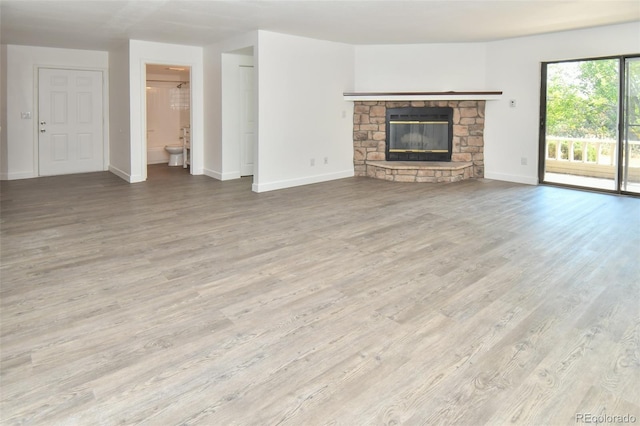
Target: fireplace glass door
(418,136)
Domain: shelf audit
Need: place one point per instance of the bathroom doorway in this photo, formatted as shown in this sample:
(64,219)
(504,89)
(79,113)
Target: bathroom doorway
(168,117)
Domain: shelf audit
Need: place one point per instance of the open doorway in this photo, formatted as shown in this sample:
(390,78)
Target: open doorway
(247,120)
(168,117)
(239,114)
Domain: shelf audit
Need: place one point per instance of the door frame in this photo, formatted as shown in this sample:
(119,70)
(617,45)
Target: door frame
(197,149)
(144,112)
(230,159)
(622,122)
(36,113)
(542,122)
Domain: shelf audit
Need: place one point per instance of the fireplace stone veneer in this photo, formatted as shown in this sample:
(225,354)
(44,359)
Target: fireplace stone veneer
(467,154)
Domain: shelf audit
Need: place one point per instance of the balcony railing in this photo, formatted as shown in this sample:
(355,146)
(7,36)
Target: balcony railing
(589,157)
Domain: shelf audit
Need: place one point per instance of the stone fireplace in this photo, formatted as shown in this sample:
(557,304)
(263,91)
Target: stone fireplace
(370,127)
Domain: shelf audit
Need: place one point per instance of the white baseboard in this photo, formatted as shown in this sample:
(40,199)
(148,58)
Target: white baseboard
(528,180)
(121,174)
(213,174)
(18,175)
(221,176)
(231,175)
(282,184)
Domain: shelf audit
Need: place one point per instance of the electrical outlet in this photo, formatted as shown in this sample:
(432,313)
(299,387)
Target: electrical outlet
(326,160)
(523,161)
(312,162)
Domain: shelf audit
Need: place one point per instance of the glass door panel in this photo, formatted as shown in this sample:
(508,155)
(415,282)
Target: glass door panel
(630,172)
(581,126)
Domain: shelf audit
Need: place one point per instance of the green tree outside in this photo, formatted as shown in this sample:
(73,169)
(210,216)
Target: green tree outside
(582,99)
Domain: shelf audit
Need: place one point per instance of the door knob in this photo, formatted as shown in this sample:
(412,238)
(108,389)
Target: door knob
(43,123)
(42,130)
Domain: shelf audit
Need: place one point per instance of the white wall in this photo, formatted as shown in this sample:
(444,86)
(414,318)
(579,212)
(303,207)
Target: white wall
(22,64)
(420,67)
(302,114)
(212,151)
(119,116)
(3,109)
(513,66)
(220,159)
(300,85)
(140,54)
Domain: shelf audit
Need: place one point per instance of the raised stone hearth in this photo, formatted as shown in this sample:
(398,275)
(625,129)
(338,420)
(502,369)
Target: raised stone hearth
(420,171)
(369,134)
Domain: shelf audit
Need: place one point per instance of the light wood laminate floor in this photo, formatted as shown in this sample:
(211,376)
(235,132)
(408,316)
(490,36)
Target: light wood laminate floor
(185,300)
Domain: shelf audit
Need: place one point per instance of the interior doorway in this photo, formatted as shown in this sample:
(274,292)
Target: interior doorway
(590,124)
(168,116)
(247,120)
(239,128)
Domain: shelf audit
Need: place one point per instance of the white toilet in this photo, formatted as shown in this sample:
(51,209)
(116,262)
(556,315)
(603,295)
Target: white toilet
(175,154)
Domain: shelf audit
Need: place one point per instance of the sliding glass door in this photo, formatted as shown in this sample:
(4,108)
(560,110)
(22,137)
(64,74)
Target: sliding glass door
(630,172)
(590,123)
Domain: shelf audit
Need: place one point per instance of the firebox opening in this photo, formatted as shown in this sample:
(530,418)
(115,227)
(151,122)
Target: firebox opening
(419,134)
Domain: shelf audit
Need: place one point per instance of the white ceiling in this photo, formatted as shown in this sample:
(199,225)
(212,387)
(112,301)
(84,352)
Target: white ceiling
(99,25)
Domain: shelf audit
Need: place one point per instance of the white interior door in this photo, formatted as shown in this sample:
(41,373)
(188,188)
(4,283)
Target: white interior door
(247,121)
(70,121)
